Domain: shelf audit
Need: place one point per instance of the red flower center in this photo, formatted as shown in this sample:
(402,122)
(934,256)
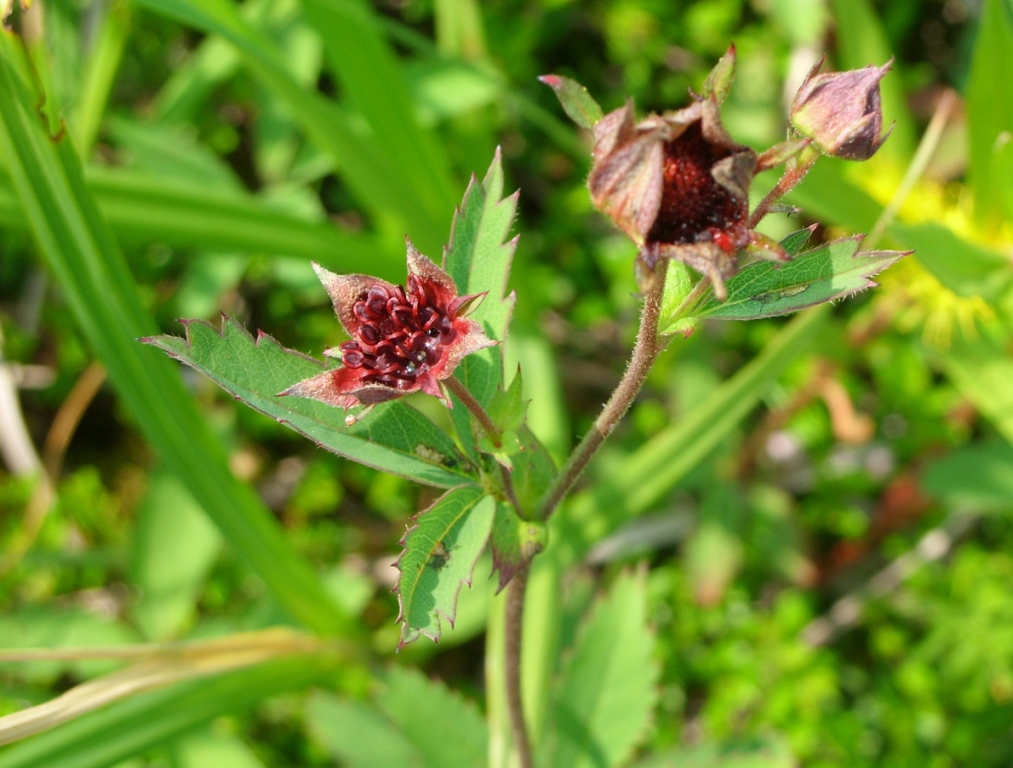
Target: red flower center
(694,207)
(400,336)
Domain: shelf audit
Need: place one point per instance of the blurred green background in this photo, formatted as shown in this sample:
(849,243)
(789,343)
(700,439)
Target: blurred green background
(830,552)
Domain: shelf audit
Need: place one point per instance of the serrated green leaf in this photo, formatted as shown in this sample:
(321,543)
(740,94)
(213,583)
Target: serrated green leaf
(446,729)
(603,702)
(828,272)
(478,259)
(479,255)
(794,242)
(514,542)
(578,104)
(411,721)
(439,556)
(393,437)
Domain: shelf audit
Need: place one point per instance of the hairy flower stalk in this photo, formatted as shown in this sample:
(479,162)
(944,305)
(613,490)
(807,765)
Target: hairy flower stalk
(403,339)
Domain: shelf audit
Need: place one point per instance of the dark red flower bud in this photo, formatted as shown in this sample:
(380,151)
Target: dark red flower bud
(842,111)
(677,184)
(404,339)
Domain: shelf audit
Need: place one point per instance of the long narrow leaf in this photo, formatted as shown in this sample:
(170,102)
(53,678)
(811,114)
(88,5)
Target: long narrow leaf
(372,80)
(362,160)
(140,209)
(129,728)
(83,255)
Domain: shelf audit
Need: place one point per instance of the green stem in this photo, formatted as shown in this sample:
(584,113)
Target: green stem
(475,409)
(645,352)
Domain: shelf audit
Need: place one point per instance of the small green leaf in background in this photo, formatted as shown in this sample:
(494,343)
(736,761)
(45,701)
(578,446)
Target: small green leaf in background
(439,556)
(393,437)
(964,267)
(830,271)
(411,721)
(977,477)
(514,542)
(678,284)
(507,410)
(606,693)
(174,548)
(713,553)
(534,470)
(578,104)
(752,753)
(202,750)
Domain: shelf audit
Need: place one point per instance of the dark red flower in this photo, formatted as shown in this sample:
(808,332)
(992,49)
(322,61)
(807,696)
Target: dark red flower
(403,339)
(678,185)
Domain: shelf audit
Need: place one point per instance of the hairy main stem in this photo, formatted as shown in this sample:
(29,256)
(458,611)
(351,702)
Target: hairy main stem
(513,631)
(645,352)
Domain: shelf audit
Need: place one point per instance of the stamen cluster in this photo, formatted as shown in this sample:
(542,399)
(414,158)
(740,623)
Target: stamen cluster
(401,334)
(403,339)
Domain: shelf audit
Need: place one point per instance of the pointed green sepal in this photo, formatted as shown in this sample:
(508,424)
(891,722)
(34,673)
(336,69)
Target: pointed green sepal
(577,102)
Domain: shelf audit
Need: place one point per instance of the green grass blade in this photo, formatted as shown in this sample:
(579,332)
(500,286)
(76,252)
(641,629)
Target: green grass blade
(650,472)
(372,82)
(141,209)
(87,263)
(990,113)
(132,726)
(104,56)
(862,41)
(362,160)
